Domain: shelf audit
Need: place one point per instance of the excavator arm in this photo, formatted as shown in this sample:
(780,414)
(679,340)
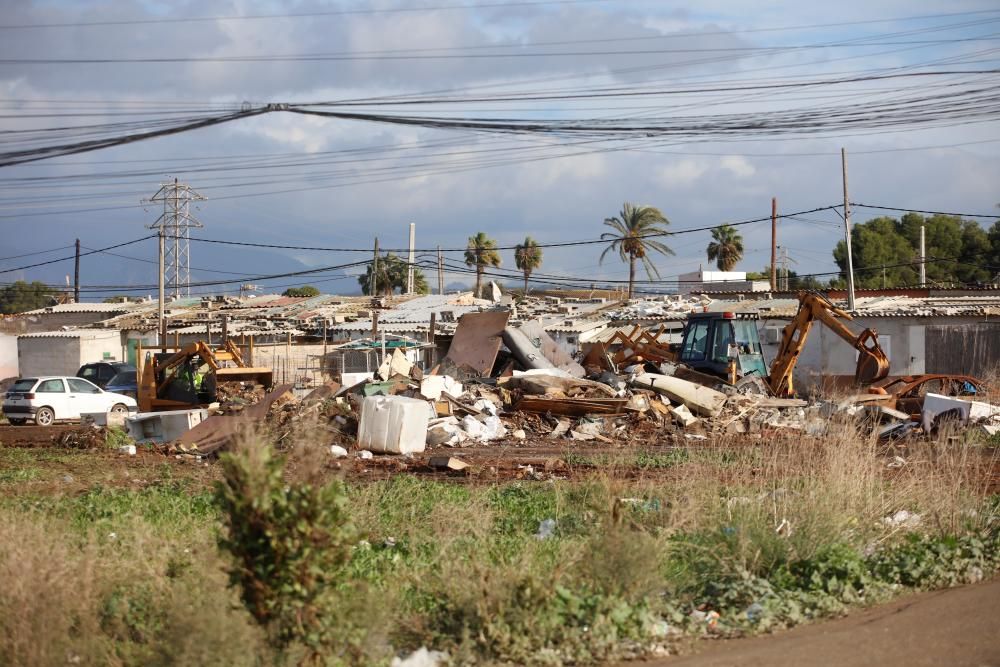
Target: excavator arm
(872,366)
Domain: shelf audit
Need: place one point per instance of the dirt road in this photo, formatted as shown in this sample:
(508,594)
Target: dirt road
(955,627)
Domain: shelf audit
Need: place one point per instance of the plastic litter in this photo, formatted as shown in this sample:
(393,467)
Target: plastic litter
(546,529)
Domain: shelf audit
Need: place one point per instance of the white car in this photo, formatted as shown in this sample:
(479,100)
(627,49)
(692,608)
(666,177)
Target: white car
(47,400)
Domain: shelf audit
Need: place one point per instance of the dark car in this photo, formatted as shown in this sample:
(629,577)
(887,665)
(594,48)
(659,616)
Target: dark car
(102,372)
(124,383)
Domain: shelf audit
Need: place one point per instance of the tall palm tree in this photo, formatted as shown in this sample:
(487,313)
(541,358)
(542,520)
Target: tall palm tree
(527,257)
(480,253)
(633,227)
(727,247)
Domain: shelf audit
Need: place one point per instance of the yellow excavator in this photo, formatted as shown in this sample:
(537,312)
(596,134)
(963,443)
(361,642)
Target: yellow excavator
(188,377)
(726,345)
(872,364)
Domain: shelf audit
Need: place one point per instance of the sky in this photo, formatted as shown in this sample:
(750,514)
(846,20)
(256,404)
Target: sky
(288,179)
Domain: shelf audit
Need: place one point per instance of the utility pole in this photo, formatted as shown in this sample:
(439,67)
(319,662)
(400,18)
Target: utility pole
(76,275)
(847,234)
(774,239)
(374,280)
(440,271)
(161,320)
(923,258)
(409,267)
(176,222)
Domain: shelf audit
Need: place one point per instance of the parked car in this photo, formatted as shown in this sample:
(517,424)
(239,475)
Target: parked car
(124,382)
(101,372)
(47,400)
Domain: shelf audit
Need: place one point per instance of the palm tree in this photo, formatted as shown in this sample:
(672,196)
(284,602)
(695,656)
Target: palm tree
(481,253)
(527,257)
(726,248)
(633,227)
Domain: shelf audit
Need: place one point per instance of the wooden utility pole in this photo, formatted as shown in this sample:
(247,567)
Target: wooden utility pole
(76,275)
(847,234)
(440,271)
(374,280)
(409,263)
(774,242)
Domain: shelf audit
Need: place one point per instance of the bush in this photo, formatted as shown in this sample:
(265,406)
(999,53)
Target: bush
(290,546)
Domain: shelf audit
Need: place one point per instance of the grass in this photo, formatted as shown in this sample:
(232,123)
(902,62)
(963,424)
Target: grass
(766,536)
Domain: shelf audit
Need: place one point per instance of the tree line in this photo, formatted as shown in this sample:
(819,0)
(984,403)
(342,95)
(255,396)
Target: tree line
(886,253)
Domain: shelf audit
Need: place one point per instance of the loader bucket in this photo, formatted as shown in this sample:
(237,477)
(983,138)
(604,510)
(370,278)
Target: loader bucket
(259,375)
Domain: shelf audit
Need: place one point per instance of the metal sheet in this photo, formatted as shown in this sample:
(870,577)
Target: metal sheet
(550,349)
(477,340)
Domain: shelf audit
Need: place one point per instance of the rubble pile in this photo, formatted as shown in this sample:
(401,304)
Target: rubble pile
(669,304)
(531,393)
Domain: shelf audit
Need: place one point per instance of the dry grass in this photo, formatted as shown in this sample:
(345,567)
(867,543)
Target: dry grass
(459,567)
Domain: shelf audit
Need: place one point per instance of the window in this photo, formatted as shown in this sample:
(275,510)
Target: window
(82,386)
(89,373)
(723,338)
(696,341)
(747,337)
(51,387)
(125,377)
(24,385)
(105,373)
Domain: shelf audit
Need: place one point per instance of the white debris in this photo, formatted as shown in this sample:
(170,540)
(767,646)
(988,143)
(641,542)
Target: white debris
(422,657)
(902,519)
(338,451)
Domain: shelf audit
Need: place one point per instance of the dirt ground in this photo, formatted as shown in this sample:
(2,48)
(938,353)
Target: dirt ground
(36,460)
(957,627)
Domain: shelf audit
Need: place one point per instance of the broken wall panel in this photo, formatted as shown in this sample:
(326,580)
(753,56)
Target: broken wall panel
(477,340)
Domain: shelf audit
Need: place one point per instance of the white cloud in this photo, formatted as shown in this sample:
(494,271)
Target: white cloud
(738,166)
(682,173)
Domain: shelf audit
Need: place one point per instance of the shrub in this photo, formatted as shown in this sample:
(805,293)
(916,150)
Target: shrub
(290,546)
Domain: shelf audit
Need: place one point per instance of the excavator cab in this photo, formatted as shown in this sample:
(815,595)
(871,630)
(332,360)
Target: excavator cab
(726,345)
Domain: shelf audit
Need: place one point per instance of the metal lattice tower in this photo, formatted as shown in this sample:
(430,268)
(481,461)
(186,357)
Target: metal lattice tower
(175,224)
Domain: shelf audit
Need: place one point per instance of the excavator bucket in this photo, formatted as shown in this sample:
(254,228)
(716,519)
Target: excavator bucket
(873,365)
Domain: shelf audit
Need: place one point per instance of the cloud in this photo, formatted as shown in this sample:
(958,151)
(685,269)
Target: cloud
(347,182)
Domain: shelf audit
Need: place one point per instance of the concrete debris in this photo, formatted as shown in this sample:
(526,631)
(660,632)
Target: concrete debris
(433,386)
(683,415)
(702,400)
(447,463)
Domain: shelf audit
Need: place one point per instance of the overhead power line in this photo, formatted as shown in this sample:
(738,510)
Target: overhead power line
(297,15)
(73,257)
(917,210)
(556,244)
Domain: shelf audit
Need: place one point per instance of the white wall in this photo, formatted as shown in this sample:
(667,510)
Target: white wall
(63,355)
(827,354)
(8,356)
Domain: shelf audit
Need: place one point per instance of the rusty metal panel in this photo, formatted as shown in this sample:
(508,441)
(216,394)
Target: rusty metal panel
(477,340)
(550,349)
(967,349)
(574,407)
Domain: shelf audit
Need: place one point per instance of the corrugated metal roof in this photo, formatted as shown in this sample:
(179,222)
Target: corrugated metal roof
(84,308)
(90,334)
(420,308)
(575,326)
